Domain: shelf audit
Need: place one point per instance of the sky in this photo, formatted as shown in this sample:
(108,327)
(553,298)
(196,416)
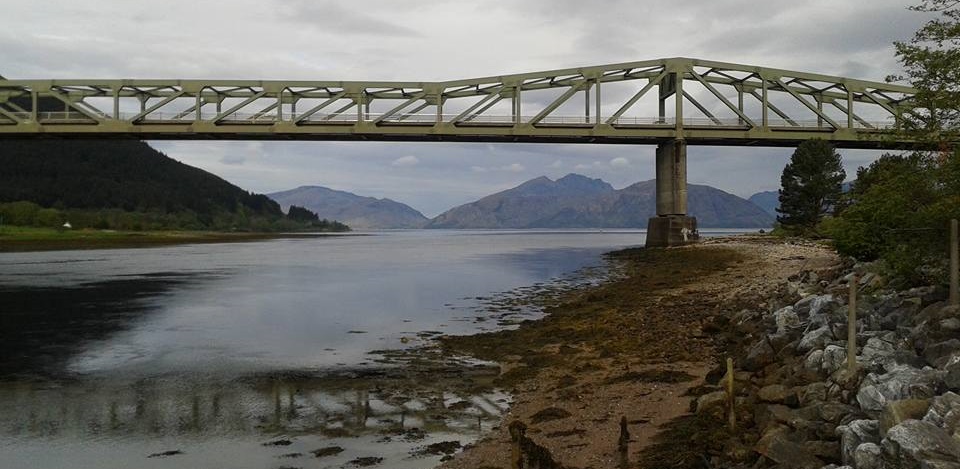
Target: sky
(436,40)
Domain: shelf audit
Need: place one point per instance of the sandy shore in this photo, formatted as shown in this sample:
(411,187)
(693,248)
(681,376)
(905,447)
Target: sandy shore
(636,348)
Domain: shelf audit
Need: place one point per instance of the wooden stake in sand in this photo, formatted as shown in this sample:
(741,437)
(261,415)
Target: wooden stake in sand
(852,325)
(954,265)
(623,444)
(731,397)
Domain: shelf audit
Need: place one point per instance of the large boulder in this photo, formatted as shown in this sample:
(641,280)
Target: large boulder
(867,456)
(915,444)
(834,358)
(902,382)
(786,319)
(815,339)
(854,434)
(937,354)
(944,412)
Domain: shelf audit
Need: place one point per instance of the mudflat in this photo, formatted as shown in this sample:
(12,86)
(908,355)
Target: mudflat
(636,349)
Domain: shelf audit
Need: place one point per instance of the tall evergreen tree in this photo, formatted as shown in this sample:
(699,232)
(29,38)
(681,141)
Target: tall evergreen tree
(810,185)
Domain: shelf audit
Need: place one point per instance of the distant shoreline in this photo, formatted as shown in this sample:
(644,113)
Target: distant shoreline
(19,239)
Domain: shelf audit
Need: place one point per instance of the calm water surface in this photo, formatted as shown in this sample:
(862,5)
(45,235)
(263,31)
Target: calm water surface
(255,354)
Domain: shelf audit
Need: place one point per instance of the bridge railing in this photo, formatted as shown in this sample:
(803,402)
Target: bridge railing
(74,117)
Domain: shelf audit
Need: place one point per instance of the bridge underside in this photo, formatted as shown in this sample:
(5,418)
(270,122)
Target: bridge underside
(564,136)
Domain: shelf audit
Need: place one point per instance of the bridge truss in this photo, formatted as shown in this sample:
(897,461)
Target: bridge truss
(697,101)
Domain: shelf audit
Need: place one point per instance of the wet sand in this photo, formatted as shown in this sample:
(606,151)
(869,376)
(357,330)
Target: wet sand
(637,347)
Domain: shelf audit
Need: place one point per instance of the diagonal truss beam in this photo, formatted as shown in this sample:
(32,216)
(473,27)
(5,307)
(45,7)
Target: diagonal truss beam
(806,103)
(723,99)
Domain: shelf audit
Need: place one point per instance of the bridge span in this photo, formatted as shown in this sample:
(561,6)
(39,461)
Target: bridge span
(671,103)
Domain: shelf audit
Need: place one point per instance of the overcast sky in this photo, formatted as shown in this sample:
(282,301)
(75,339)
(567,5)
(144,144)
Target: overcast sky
(437,40)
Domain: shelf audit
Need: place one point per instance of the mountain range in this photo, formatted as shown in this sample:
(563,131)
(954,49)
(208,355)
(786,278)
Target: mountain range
(358,212)
(576,201)
(573,201)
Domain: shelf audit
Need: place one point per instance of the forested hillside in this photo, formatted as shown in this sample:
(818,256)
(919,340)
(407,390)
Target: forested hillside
(128,185)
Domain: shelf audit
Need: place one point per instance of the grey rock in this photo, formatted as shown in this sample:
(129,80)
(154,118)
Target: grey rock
(913,444)
(786,319)
(815,339)
(867,456)
(814,361)
(834,357)
(856,433)
(944,412)
(812,393)
(901,382)
(952,372)
(937,354)
(876,351)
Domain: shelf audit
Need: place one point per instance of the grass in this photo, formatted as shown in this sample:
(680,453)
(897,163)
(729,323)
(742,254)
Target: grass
(20,239)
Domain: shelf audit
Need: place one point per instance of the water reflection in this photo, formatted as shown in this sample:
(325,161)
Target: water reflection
(387,415)
(41,327)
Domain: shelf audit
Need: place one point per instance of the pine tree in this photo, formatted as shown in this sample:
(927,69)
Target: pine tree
(810,185)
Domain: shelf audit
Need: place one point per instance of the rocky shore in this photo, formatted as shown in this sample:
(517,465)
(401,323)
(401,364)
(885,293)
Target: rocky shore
(799,404)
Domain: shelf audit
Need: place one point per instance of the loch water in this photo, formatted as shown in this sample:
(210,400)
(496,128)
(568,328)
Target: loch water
(260,354)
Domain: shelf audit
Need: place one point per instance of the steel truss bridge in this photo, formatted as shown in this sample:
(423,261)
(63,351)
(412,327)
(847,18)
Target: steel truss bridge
(691,100)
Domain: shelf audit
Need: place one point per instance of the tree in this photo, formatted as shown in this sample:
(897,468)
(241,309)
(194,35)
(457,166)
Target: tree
(931,62)
(901,204)
(301,214)
(810,185)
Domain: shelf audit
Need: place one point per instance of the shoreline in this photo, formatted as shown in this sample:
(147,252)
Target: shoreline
(636,348)
(37,239)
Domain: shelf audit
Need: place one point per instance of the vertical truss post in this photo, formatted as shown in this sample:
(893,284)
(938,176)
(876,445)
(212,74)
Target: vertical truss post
(516,104)
(740,103)
(279,105)
(115,91)
(586,102)
(678,100)
(359,100)
(819,99)
(439,98)
(597,101)
(764,104)
(849,106)
(34,101)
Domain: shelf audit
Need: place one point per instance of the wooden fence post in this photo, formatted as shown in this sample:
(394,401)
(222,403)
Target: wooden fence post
(954,282)
(852,325)
(731,396)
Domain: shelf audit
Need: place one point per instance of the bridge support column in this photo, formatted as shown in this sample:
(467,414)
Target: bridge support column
(671,226)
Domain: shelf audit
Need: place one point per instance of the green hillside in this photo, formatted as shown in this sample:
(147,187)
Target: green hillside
(126,185)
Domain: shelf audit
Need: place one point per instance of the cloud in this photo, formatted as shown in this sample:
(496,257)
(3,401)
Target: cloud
(410,41)
(619,162)
(233,159)
(408,160)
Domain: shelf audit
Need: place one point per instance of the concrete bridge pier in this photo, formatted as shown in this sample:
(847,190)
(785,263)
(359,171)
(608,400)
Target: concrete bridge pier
(671,226)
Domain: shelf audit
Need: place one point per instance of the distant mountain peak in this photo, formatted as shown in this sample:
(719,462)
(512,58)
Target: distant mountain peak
(363,212)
